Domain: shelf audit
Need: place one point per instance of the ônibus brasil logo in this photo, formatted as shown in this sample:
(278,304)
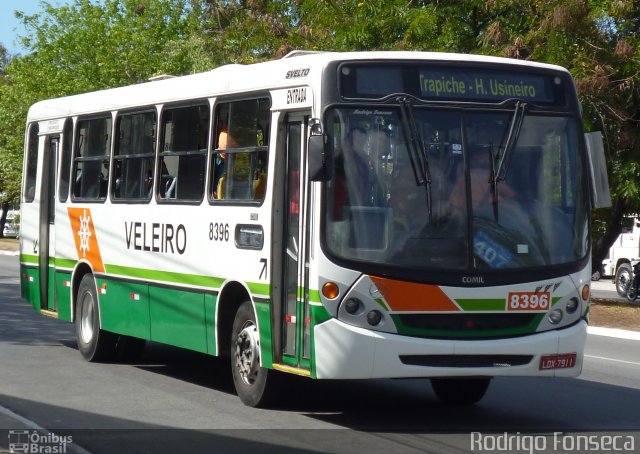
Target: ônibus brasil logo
(32,441)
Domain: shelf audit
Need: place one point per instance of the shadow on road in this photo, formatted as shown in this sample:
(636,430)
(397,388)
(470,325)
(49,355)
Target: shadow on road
(400,406)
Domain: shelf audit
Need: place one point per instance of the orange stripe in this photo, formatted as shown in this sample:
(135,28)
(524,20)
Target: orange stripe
(84,235)
(409,296)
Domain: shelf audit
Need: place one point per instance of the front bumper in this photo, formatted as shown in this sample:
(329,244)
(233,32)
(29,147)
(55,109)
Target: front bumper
(344,351)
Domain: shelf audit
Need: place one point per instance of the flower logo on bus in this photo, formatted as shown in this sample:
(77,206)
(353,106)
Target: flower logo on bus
(85,238)
(84,233)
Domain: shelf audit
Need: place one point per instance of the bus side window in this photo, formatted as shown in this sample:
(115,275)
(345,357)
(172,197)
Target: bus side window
(29,190)
(91,159)
(239,159)
(134,156)
(184,135)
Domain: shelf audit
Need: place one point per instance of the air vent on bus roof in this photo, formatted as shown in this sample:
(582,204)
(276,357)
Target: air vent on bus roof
(161,77)
(298,53)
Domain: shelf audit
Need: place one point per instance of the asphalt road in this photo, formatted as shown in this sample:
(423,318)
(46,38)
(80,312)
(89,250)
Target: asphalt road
(177,401)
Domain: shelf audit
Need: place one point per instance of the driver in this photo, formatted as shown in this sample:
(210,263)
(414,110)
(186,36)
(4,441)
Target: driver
(479,181)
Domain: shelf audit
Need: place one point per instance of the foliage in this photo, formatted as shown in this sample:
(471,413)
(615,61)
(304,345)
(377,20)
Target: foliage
(90,45)
(82,47)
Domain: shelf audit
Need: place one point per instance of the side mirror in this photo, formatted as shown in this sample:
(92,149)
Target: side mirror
(318,153)
(598,170)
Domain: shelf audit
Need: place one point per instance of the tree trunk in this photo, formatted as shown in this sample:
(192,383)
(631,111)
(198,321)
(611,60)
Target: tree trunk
(3,217)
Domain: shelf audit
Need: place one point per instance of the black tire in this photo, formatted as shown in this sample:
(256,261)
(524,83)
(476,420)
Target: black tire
(94,344)
(255,385)
(460,391)
(623,279)
(595,276)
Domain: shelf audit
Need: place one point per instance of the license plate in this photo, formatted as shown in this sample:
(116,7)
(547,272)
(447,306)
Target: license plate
(565,361)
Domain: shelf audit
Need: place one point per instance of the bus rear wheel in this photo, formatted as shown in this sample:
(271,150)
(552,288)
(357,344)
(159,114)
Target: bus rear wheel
(253,383)
(460,391)
(94,344)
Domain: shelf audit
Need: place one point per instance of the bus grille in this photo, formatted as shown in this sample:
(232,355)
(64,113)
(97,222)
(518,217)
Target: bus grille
(455,326)
(466,360)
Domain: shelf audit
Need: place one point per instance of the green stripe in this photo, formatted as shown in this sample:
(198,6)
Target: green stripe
(381,302)
(256,288)
(195,280)
(482,304)
(26,258)
(165,276)
(314,296)
(65,263)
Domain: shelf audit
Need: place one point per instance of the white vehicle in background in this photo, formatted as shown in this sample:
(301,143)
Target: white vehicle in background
(618,260)
(11,224)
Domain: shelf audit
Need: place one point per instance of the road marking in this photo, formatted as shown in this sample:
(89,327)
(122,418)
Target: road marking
(612,332)
(614,360)
(73,447)
(10,280)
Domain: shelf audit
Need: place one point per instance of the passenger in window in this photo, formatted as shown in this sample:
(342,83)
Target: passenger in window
(219,163)
(167,183)
(260,179)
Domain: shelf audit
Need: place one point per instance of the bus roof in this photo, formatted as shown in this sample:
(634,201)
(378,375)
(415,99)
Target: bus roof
(236,78)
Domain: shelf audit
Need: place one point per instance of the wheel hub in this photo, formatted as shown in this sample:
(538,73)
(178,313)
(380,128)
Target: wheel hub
(248,353)
(86,319)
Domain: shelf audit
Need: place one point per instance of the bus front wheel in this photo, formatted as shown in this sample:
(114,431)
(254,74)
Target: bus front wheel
(94,344)
(253,383)
(460,391)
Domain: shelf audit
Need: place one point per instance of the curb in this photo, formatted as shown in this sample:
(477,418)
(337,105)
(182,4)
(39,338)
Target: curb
(13,253)
(614,332)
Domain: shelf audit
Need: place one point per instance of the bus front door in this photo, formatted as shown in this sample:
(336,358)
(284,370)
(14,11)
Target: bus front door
(295,345)
(46,225)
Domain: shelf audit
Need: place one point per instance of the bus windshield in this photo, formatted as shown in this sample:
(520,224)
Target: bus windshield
(470,192)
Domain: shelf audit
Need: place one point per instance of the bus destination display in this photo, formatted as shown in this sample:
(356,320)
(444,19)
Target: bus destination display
(469,84)
(451,83)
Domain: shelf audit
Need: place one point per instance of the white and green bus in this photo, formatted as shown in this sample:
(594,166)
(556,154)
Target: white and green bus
(330,215)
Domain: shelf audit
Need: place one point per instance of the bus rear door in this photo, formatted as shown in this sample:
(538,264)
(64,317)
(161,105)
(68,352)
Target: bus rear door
(47,225)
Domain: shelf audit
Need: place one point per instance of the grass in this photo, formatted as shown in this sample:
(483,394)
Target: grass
(615,314)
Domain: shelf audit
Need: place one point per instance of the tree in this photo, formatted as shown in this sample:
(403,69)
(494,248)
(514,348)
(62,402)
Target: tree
(94,45)
(4,58)
(597,40)
(86,46)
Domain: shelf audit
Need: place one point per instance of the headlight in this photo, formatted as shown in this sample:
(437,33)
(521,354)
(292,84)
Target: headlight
(555,316)
(573,305)
(352,305)
(374,317)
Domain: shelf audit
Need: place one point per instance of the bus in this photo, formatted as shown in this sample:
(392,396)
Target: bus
(329,215)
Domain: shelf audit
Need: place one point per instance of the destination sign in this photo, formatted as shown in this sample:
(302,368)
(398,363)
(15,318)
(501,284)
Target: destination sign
(451,83)
(471,84)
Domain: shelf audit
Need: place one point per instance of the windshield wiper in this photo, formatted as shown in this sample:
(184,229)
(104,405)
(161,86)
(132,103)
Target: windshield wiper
(416,150)
(499,164)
